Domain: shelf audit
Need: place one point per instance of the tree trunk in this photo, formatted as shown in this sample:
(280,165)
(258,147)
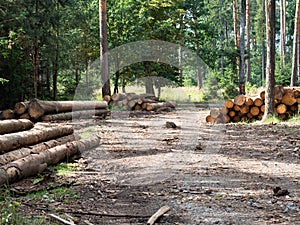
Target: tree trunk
(39,108)
(37,163)
(87,114)
(11,126)
(39,133)
(34,149)
(104,49)
(270,68)
(148,79)
(117,64)
(295,45)
(263,63)
(282,32)
(7,114)
(242,48)
(235,25)
(248,27)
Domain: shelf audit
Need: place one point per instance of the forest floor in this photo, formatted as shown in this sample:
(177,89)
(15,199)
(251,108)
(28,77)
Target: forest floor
(206,174)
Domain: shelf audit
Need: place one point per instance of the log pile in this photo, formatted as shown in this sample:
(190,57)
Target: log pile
(27,149)
(139,102)
(37,110)
(249,109)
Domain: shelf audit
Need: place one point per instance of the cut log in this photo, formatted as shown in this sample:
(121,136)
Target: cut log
(155,106)
(229,104)
(240,100)
(145,100)
(132,104)
(11,126)
(7,114)
(236,119)
(244,109)
(39,133)
(258,102)
(25,116)
(39,108)
(107,98)
(88,114)
(236,108)
(35,149)
(209,119)
(37,163)
(263,108)
(138,107)
(262,95)
(224,110)
(288,99)
(232,113)
(249,102)
(254,110)
(21,107)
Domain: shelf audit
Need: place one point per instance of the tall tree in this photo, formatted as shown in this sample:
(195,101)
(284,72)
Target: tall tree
(295,45)
(104,49)
(282,32)
(248,28)
(242,47)
(270,68)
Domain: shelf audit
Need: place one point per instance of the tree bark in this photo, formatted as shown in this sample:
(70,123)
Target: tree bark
(38,108)
(39,133)
(295,45)
(270,68)
(35,149)
(248,27)
(7,114)
(11,126)
(104,49)
(21,107)
(282,32)
(242,48)
(37,163)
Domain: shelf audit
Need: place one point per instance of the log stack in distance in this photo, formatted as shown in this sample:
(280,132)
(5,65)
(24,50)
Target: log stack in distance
(251,108)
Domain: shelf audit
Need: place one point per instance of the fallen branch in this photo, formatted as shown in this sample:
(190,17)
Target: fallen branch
(76,115)
(158,214)
(68,222)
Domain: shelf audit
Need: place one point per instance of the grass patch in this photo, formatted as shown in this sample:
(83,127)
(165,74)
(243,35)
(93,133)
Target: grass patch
(64,169)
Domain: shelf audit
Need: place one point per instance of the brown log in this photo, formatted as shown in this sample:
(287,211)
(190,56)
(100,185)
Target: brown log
(37,163)
(39,108)
(244,109)
(155,106)
(209,119)
(138,107)
(263,108)
(118,97)
(281,109)
(7,114)
(294,108)
(88,114)
(145,100)
(236,119)
(224,110)
(39,133)
(288,99)
(35,149)
(249,102)
(298,100)
(236,108)
(215,113)
(11,126)
(258,102)
(262,95)
(240,100)
(260,116)
(254,110)
(283,116)
(232,113)
(249,115)
(297,93)
(21,107)
(107,98)
(229,104)
(132,104)
(25,116)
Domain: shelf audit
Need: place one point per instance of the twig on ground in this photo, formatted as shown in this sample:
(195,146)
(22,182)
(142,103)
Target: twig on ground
(158,214)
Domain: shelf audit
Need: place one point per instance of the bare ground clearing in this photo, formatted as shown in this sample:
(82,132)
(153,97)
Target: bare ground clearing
(207,174)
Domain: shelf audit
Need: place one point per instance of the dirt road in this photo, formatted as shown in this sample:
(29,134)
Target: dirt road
(206,174)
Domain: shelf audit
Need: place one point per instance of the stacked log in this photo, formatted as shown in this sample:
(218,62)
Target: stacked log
(140,102)
(251,108)
(27,149)
(37,110)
